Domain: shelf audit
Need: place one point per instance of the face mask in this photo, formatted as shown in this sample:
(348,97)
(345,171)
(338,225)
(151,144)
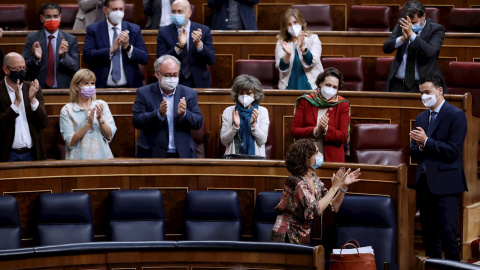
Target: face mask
(429,100)
(17,75)
(318,162)
(245,100)
(169,83)
(417,27)
(87,91)
(295,30)
(178,19)
(52,25)
(116,16)
(328,92)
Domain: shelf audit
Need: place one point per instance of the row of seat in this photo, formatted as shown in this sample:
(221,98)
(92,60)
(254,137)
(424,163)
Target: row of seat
(318,17)
(460,78)
(138,215)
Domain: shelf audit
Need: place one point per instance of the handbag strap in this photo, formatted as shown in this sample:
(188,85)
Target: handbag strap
(353,240)
(349,244)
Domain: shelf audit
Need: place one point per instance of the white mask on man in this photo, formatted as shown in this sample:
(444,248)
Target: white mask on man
(116,16)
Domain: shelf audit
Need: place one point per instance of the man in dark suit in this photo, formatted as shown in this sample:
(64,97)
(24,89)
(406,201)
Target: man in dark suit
(191,43)
(22,113)
(114,48)
(165,113)
(51,55)
(233,14)
(417,40)
(158,13)
(437,145)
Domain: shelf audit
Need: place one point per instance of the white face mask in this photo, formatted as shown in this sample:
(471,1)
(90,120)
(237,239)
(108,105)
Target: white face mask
(116,16)
(295,30)
(429,100)
(169,83)
(245,100)
(328,92)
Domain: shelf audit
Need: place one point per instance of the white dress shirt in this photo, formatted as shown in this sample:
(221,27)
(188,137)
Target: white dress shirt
(22,137)
(123,79)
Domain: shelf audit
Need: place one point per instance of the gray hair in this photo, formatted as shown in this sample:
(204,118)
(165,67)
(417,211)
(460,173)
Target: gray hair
(164,58)
(246,82)
(411,8)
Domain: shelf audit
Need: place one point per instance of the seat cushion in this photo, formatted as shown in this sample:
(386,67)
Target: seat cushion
(369,18)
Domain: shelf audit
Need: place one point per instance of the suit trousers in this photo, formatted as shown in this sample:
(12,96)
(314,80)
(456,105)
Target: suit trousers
(398,85)
(438,217)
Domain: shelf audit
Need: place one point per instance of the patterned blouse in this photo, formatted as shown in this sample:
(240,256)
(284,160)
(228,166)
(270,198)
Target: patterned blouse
(93,145)
(297,209)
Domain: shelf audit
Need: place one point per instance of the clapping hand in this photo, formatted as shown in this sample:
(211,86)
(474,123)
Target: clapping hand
(63,48)
(37,51)
(286,48)
(254,117)
(32,91)
(163,108)
(323,123)
(352,177)
(182,107)
(406,25)
(197,38)
(236,118)
(182,37)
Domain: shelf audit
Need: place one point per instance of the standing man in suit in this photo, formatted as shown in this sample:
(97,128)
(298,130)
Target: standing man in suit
(437,145)
(165,113)
(191,43)
(22,113)
(114,48)
(159,13)
(417,40)
(233,14)
(51,55)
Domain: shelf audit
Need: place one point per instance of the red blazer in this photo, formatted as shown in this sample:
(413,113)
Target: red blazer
(305,120)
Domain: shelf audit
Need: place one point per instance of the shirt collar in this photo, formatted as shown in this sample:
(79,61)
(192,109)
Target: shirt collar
(437,110)
(110,25)
(77,107)
(10,89)
(164,94)
(54,34)
(187,28)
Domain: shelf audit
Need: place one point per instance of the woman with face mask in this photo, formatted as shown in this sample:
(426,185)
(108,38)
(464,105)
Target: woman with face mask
(245,125)
(324,116)
(304,195)
(297,54)
(86,124)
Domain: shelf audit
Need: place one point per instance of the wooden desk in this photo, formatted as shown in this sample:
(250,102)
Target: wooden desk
(175,177)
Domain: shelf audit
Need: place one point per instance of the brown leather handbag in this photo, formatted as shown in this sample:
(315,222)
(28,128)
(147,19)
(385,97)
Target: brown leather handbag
(357,261)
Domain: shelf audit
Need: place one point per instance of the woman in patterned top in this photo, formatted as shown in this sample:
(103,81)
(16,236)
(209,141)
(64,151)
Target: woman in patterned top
(304,194)
(86,123)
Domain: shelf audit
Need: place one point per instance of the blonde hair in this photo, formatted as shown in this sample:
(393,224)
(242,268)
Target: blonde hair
(82,75)
(284,35)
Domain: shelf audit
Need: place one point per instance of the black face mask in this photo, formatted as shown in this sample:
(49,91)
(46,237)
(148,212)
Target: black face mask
(17,75)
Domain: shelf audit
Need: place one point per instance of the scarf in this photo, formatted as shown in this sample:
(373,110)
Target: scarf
(245,131)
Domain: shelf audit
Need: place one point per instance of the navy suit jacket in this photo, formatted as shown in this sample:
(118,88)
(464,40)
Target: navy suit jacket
(245,9)
(426,48)
(168,37)
(65,69)
(153,139)
(442,155)
(96,52)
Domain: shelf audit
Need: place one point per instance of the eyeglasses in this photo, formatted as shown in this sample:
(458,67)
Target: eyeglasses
(168,75)
(17,68)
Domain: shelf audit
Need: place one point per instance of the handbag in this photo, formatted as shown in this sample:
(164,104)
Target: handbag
(362,258)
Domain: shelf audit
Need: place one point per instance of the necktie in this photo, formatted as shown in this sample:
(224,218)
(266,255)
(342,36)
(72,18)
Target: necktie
(410,68)
(116,73)
(50,81)
(433,116)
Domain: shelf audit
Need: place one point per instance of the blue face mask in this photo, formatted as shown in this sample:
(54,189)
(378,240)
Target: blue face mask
(178,19)
(417,27)
(318,162)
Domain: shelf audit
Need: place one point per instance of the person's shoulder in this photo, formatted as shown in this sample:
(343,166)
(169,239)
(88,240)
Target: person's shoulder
(33,35)
(293,181)
(186,89)
(435,26)
(68,35)
(261,109)
(132,26)
(147,87)
(201,26)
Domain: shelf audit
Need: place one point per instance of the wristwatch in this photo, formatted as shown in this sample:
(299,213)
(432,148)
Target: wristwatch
(178,46)
(128,47)
(306,50)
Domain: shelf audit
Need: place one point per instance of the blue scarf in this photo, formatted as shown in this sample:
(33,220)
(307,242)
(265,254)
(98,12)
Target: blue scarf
(245,131)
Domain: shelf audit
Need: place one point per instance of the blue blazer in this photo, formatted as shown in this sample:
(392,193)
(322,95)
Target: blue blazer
(96,52)
(168,37)
(442,155)
(426,49)
(65,69)
(245,8)
(153,139)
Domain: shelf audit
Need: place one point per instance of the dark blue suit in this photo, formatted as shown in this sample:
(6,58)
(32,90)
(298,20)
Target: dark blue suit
(168,37)
(245,9)
(153,139)
(440,179)
(96,52)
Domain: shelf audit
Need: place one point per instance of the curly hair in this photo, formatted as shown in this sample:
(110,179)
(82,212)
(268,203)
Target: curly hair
(298,155)
(331,71)
(246,82)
